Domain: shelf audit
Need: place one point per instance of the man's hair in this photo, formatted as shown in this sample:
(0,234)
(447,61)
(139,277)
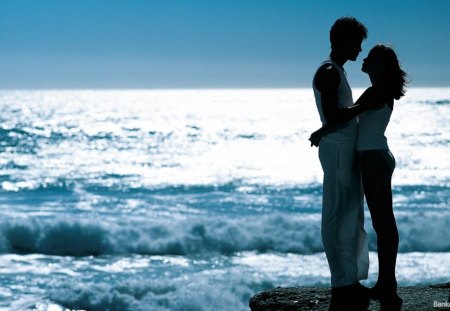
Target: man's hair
(347,29)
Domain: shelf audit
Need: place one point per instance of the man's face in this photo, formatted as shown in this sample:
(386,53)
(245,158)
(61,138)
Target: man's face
(352,49)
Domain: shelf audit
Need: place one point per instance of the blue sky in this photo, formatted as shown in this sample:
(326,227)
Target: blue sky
(199,43)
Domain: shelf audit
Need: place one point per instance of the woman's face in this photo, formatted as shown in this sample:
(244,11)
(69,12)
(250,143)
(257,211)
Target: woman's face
(372,64)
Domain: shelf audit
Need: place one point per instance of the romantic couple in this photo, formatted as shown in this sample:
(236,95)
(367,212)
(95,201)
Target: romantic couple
(357,163)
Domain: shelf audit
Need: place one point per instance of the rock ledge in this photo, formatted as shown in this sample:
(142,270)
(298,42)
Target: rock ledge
(318,298)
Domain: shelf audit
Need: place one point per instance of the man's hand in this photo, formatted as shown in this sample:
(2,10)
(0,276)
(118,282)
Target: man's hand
(315,138)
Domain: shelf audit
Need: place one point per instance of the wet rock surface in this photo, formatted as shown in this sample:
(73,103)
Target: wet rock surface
(435,297)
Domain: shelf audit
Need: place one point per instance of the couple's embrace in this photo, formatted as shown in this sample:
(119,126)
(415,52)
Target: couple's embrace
(357,163)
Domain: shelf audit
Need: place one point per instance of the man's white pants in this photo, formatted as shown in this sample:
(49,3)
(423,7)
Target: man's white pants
(343,235)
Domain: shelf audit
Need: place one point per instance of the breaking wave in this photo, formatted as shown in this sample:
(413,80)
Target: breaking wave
(284,233)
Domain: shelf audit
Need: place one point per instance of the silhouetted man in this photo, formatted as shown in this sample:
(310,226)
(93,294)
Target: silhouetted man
(343,234)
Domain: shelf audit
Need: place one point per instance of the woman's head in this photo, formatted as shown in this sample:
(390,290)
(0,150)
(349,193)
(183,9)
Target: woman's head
(382,63)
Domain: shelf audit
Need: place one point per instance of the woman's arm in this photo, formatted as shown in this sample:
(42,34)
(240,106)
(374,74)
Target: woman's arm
(370,99)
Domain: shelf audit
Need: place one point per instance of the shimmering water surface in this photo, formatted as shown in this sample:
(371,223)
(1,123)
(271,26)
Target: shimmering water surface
(193,199)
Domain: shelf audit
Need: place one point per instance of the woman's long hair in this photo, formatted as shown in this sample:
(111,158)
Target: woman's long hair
(394,78)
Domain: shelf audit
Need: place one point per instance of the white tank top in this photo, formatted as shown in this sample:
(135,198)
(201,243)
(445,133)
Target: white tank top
(346,134)
(371,128)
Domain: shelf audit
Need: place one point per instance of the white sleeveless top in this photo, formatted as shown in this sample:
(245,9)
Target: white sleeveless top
(371,128)
(346,134)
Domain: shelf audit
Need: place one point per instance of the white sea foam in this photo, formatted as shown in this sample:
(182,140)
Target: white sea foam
(223,287)
(222,291)
(178,177)
(286,233)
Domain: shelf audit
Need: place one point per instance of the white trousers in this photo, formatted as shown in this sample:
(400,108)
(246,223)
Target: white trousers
(343,235)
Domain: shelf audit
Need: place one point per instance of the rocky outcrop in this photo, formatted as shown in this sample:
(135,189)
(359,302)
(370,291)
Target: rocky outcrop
(436,297)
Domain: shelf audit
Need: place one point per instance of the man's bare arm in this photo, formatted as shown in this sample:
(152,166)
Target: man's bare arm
(327,82)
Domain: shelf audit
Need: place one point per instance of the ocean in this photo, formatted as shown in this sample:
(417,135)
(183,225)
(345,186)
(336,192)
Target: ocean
(193,199)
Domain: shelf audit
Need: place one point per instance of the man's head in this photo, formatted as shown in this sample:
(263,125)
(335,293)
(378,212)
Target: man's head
(346,36)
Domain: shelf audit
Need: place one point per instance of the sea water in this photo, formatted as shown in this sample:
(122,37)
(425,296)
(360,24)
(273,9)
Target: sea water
(193,199)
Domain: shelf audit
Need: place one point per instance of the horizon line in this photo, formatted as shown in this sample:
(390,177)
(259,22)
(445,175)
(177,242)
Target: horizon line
(189,88)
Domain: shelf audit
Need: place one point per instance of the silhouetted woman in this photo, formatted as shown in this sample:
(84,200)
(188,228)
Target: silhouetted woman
(377,165)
